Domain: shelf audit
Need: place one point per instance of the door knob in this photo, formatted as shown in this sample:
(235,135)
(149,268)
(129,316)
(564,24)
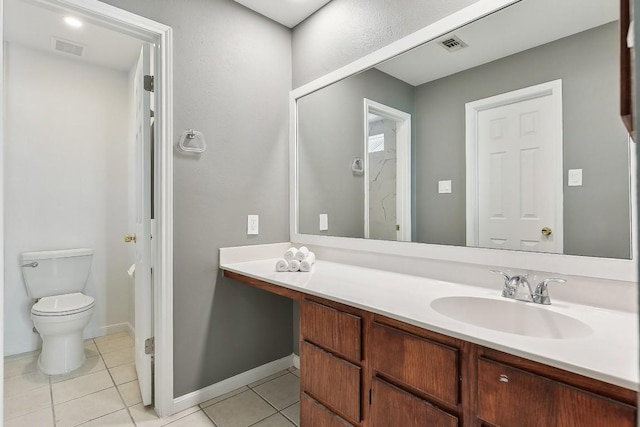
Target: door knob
(128,238)
(546,231)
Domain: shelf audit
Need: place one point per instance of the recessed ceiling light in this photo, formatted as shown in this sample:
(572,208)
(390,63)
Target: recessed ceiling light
(73,22)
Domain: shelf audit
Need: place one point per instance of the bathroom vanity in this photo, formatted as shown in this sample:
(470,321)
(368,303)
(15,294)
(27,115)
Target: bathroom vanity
(375,351)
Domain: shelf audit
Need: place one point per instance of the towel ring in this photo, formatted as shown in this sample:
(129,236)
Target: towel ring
(187,142)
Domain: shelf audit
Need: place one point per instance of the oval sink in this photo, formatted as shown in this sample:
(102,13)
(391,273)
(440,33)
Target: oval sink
(513,317)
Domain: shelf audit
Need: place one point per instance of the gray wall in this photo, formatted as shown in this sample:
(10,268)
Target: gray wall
(596,215)
(346,30)
(331,135)
(232,75)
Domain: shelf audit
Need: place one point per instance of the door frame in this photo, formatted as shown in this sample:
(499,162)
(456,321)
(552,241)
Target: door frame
(162,37)
(403,168)
(472,110)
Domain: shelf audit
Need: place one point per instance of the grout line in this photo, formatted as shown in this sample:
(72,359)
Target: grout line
(53,409)
(283,373)
(121,397)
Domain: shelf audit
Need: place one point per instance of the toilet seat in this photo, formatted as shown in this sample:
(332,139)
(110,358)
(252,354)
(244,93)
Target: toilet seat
(62,305)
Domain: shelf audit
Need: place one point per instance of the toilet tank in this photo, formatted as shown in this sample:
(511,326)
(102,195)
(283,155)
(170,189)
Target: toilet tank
(57,272)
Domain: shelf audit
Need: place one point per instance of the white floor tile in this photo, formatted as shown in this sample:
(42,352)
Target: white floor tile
(91,365)
(22,404)
(81,386)
(223,397)
(110,337)
(145,416)
(130,393)
(21,365)
(119,357)
(281,392)
(41,418)
(293,413)
(21,384)
(276,420)
(124,373)
(295,371)
(115,344)
(241,410)
(197,419)
(116,419)
(87,408)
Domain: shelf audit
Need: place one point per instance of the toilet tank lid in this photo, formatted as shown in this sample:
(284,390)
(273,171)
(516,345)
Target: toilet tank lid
(61,253)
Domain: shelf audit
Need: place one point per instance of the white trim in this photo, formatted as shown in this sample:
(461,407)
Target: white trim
(2,114)
(603,268)
(472,109)
(296,361)
(218,389)
(161,35)
(108,330)
(403,166)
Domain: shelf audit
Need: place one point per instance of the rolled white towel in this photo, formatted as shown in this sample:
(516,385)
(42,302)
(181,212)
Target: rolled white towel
(282,265)
(290,254)
(294,265)
(302,253)
(308,262)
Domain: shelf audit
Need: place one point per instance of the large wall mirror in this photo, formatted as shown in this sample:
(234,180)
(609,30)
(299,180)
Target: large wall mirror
(502,133)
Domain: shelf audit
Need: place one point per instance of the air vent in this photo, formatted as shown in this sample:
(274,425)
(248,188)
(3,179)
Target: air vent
(67,47)
(452,44)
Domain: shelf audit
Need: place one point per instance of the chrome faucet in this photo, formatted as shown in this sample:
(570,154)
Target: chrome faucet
(541,294)
(517,287)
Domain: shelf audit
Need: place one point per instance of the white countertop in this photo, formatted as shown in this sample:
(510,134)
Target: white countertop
(609,354)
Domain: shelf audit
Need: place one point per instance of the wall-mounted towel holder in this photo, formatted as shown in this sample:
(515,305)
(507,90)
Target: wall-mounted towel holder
(357,166)
(189,142)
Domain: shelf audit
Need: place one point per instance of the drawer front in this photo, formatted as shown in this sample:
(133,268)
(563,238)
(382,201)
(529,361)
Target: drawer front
(392,407)
(332,381)
(331,329)
(511,397)
(420,363)
(314,414)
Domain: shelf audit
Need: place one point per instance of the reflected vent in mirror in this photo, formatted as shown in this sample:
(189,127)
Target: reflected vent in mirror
(66,46)
(452,44)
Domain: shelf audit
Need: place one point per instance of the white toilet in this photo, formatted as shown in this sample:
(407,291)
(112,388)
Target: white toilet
(55,279)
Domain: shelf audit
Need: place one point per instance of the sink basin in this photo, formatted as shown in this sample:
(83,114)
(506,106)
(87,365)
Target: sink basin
(513,317)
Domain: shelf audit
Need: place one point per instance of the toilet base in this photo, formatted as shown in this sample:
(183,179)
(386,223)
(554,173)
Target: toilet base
(62,354)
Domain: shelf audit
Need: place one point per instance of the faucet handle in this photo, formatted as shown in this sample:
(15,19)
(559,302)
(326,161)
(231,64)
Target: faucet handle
(505,275)
(508,290)
(541,294)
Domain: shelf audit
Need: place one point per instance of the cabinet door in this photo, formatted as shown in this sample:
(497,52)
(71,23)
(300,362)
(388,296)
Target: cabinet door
(577,408)
(426,365)
(332,381)
(331,329)
(393,407)
(313,414)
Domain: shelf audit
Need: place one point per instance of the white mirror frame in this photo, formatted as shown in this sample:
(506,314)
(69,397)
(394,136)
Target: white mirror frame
(602,268)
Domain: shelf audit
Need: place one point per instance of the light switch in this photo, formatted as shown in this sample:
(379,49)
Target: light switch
(444,187)
(575,178)
(324,222)
(253,221)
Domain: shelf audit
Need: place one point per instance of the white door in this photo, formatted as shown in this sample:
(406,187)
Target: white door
(519,147)
(143,290)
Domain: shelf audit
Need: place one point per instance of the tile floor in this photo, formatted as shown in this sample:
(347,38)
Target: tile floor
(105,392)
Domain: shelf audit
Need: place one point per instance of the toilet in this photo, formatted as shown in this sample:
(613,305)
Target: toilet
(55,279)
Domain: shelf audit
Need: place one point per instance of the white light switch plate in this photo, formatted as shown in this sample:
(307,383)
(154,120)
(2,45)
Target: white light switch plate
(575,178)
(253,222)
(444,187)
(324,222)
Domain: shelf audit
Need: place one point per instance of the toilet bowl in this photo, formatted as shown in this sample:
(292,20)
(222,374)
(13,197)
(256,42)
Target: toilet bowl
(60,321)
(55,280)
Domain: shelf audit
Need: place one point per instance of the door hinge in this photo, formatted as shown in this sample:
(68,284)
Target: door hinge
(150,346)
(148,83)
(397,227)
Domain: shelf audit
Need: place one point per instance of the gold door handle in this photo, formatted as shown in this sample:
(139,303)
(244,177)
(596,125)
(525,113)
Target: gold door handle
(546,231)
(128,238)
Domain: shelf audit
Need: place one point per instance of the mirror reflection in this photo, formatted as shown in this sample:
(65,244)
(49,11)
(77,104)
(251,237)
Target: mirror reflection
(502,134)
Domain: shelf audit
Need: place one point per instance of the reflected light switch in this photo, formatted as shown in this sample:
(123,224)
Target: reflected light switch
(575,178)
(444,187)
(324,222)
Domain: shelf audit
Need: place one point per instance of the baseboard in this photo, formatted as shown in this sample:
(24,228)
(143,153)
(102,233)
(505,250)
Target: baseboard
(195,398)
(296,361)
(108,329)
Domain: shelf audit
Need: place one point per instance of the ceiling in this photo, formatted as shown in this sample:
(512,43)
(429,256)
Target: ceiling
(34,26)
(287,12)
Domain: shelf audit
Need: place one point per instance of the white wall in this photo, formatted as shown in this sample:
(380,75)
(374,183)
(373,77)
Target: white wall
(65,180)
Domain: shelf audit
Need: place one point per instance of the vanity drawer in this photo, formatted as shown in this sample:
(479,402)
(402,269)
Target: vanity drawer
(331,329)
(420,363)
(332,381)
(511,397)
(391,406)
(313,413)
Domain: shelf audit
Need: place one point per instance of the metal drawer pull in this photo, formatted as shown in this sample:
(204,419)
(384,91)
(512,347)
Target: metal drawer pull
(504,378)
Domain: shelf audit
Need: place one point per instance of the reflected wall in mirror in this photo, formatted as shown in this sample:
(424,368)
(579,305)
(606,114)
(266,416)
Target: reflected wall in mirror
(519,47)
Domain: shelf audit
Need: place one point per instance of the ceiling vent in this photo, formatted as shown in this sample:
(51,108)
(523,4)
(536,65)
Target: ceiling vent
(452,44)
(66,46)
